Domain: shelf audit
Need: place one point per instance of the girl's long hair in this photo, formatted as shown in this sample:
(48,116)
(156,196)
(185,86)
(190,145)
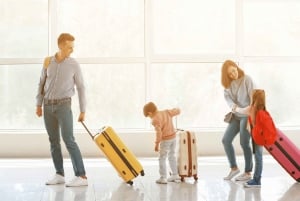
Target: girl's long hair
(259,99)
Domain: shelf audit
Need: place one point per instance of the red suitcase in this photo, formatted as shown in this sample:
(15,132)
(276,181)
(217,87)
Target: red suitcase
(287,154)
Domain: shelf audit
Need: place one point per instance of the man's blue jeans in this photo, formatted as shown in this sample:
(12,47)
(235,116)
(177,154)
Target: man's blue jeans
(238,125)
(59,118)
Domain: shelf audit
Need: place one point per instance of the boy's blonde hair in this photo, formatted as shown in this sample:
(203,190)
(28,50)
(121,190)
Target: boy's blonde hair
(149,107)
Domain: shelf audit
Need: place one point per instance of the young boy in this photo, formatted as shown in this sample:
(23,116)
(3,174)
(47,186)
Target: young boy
(165,142)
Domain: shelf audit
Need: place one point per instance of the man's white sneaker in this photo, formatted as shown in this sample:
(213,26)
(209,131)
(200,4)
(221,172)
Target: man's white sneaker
(243,177)
(162,181)
(174,178)
(77,181)
(57,179)
(231,174)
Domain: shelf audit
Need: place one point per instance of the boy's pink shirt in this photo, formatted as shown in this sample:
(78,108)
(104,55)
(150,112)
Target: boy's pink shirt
(162,122)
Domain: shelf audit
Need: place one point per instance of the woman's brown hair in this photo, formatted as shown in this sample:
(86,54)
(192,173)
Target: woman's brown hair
(225,79)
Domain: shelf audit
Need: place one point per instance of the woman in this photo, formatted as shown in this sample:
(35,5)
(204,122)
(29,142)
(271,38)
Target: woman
(237,92)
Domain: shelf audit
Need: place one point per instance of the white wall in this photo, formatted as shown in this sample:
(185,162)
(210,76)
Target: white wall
(141,144)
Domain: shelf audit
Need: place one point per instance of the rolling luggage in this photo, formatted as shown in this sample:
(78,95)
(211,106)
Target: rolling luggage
(187,155)
(286,154)
(117,153)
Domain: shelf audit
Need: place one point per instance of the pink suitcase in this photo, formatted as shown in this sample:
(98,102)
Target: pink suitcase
(187,155)
(286,154)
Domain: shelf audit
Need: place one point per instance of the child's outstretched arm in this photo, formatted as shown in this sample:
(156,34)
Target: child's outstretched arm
(174,111)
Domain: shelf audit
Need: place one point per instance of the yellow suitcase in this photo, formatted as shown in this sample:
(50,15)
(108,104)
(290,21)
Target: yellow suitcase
(123,160)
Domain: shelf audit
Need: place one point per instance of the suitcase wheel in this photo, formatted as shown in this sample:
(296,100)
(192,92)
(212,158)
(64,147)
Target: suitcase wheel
(182,179)
(130,182)
(195,177)
(142,173)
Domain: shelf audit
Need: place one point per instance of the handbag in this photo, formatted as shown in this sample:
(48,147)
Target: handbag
(228,117)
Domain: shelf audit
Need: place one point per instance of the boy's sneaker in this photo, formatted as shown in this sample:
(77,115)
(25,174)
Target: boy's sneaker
(162,180)
(231,174)
(77,181)
(174,178)
(243,177)
(252,184)
(57,179)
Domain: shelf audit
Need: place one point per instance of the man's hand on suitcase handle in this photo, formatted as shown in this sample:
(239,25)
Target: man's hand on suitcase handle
(81,117)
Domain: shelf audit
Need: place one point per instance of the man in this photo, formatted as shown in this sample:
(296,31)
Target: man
(59,76)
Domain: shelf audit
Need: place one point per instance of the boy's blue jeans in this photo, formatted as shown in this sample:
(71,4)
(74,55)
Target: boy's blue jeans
(59,119)
(238,125)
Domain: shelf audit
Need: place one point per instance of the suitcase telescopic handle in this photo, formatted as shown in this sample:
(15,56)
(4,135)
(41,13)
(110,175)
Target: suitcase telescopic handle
(176,128)
(87,130)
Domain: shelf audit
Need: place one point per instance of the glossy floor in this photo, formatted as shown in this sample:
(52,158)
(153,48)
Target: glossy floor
(23,180)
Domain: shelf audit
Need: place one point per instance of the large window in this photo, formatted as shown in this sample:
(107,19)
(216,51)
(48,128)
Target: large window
(135,51)
(18,87)
(194,87)
(114,96)
(194,27)
(24,29)
(279,79)
(104,28)
(271,28)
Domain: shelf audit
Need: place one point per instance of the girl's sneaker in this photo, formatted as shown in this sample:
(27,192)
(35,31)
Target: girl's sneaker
(252,184)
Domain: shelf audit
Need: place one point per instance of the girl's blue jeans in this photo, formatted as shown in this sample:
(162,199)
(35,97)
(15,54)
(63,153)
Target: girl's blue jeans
(258,155)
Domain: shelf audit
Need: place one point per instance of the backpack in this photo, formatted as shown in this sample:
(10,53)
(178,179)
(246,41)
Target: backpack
(47,61)
(264,132)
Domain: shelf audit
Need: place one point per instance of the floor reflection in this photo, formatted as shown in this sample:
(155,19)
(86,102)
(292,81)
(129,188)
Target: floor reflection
(292,194)
(26,183)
